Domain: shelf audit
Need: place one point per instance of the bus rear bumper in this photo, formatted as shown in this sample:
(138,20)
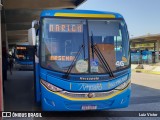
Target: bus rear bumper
(53,102)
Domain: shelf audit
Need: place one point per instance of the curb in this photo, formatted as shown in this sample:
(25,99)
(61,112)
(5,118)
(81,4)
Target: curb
(146,71)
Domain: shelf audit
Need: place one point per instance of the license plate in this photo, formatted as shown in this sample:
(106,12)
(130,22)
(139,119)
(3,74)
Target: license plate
(89,107)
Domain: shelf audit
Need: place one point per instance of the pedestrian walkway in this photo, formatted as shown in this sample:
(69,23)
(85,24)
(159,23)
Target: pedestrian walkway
(151,69)
(19,91)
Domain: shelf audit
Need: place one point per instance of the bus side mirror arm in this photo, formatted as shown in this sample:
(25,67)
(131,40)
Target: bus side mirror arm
(32,33)
(32,36)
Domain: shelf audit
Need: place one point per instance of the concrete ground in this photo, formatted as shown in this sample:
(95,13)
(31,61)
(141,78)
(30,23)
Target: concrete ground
(19,96)
(19,91)
(147,68)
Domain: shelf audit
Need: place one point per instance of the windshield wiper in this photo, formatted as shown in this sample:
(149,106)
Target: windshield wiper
(92,46)
(96,50)
(73,62)
(103,60)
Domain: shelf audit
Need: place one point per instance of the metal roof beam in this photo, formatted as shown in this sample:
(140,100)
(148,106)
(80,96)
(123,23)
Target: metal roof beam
(37,4)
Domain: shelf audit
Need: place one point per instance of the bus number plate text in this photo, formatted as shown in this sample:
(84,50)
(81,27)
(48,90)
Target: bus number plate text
(89,107)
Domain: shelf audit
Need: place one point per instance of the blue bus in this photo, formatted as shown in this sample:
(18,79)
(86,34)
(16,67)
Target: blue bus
(24,56)
(82,60)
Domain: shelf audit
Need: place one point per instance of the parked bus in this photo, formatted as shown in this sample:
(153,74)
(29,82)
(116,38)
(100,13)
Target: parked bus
(24,55)
(82,60)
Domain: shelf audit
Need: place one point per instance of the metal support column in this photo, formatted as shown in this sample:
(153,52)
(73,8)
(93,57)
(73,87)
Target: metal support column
(1,81)
(158,48)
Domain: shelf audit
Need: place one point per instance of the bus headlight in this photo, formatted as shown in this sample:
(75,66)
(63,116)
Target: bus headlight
(50,86)
(123,85)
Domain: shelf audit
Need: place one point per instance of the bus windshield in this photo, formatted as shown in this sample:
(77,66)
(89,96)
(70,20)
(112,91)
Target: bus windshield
(62,41)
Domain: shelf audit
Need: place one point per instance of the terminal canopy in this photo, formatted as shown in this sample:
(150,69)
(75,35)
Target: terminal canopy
(17,15)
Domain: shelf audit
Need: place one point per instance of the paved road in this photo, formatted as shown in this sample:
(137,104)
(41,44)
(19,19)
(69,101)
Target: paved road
(19,91)
(145,97)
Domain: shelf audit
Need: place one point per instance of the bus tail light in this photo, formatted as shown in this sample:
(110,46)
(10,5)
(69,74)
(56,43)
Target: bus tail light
(50,86)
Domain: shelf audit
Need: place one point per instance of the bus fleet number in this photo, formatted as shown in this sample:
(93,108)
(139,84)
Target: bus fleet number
(119,63)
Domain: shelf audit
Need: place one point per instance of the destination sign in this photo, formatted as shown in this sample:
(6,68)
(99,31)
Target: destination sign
(20,56)
(62,58)
(73,28)
(21,48)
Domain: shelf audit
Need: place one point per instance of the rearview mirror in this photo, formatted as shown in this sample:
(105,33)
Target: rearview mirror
(32,36)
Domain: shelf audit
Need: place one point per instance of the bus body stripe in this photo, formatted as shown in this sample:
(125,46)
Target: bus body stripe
(87,99)
(85,15)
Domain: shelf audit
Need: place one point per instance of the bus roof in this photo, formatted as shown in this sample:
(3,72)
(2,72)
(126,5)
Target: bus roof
(80,14)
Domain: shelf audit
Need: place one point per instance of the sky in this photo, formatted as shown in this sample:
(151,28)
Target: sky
(142,16)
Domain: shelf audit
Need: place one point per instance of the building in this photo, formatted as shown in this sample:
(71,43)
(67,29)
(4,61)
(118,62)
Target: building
(150,43)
